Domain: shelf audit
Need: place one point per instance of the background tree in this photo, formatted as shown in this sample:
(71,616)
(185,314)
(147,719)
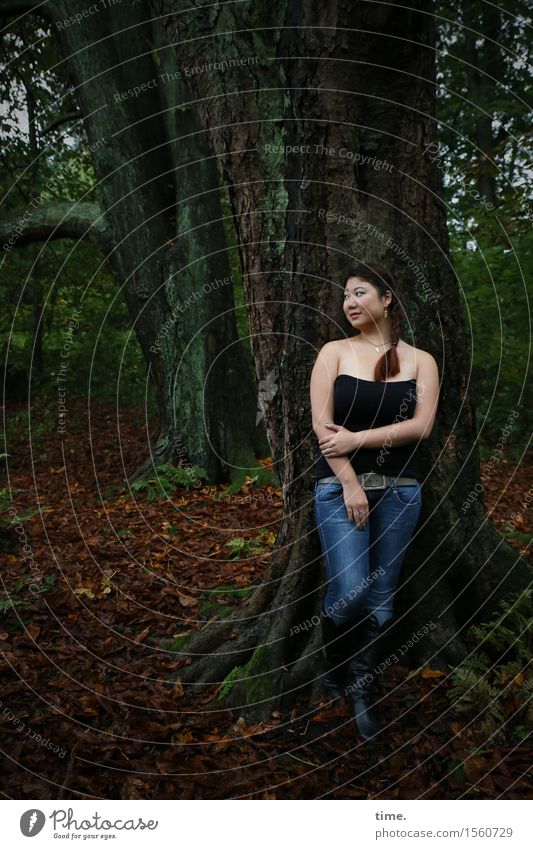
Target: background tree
(155,204)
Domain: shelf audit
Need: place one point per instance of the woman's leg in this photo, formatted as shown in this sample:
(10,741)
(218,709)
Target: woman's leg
(345,551)
(346,555)
(394,519)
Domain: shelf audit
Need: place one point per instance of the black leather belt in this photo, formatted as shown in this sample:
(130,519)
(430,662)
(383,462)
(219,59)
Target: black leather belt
(372,480)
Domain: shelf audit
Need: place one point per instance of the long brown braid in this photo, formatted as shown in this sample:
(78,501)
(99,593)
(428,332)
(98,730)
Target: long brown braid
(381,278)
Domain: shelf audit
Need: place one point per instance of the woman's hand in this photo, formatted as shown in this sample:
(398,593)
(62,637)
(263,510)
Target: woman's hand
(339,443)
(356,503)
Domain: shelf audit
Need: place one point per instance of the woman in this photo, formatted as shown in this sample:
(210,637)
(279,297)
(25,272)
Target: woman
(373,398)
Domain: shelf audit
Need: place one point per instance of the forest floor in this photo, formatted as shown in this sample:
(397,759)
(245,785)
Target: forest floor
(86,707)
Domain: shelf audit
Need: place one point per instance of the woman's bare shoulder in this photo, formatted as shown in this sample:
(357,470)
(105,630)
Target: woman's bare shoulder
(420,359)
(334,343)
(332,348)
(419,353)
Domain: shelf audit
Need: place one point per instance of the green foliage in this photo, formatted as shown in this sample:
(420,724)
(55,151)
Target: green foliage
(10,601)
(509,633)
(167,479)
(26,515)
(19,596)
(519,536)
(489,206)
(492,281)
(482,72)
(38,423)
(492,688)
(241,548)
(6,497)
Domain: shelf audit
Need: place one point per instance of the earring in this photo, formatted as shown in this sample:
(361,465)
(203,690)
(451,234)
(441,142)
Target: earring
(385,314)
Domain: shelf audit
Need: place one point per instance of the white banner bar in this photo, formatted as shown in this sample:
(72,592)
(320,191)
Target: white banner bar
(221,825)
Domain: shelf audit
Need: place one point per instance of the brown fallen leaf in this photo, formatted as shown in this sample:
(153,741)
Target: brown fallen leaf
(177,689)
(84,591)
(427,672)
(240,726)
(140,637)
(186,601)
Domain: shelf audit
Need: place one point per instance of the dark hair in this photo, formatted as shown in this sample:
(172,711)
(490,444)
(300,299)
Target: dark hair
(381,278)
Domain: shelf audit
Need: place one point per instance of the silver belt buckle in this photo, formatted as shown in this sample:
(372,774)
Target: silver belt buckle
(371,480)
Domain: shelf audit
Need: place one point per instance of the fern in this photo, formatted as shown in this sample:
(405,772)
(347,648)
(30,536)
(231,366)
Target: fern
(167,479)
(494,683)
(241,547)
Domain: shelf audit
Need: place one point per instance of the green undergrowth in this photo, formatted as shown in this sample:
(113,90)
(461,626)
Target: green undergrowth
(493,688)
(240,547)
(167,479)
(20,596)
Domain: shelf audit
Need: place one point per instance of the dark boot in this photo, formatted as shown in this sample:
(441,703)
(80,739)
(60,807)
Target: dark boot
(337,650)
(361,692)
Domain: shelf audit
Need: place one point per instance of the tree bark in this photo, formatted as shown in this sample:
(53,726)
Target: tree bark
(342,86)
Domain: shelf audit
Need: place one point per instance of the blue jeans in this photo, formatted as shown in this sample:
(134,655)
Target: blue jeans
(363,564)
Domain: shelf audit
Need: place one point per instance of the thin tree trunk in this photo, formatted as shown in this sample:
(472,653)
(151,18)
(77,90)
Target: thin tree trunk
(487,60)
(37,267)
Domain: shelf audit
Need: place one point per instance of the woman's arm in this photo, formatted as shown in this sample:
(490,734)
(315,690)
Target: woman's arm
(322,378)
(339,441)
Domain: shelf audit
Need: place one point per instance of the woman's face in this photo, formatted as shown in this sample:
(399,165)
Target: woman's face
(363,304)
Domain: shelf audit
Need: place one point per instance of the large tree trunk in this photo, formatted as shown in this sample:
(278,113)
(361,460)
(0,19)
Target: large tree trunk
(343,81)
(163,222)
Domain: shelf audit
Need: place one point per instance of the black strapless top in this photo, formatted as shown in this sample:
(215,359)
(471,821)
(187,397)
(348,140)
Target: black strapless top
(364,404)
